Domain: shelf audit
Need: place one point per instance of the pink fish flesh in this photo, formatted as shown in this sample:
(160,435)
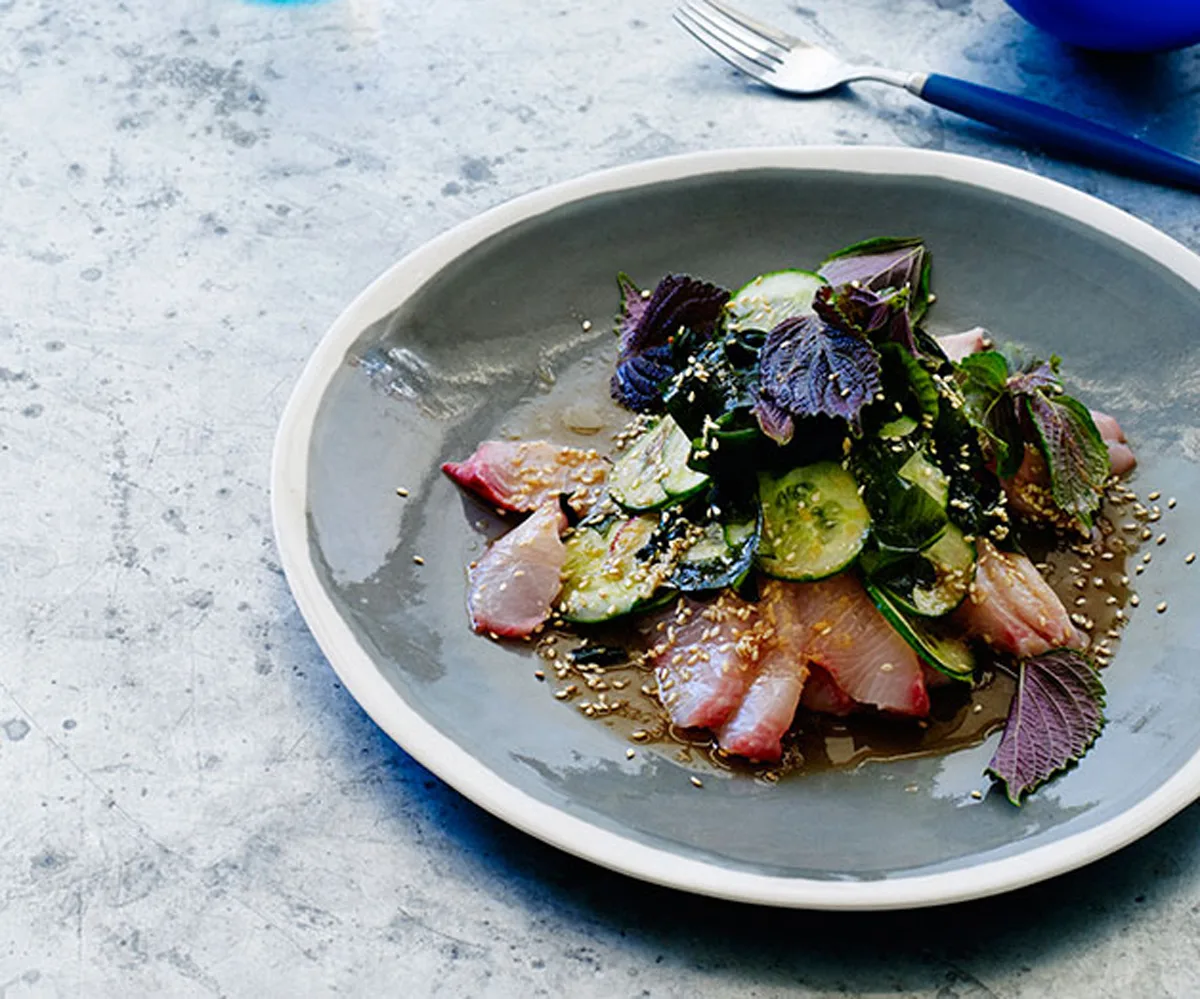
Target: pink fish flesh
(756,728)
(959,345)
(705,657)
(522,475)
(823,695)
(834,623)
(515,582)
(1012,608)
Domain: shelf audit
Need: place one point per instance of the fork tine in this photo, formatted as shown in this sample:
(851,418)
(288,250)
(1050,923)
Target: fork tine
(735,39)
(719,47)
(765,31)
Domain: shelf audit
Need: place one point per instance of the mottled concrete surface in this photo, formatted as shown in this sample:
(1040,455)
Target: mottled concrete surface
(190,804)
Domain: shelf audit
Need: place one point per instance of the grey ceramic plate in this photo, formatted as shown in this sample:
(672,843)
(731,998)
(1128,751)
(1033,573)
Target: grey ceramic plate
(481,331)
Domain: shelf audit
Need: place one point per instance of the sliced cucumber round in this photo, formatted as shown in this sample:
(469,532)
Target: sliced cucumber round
(953,561)
(814,521)
(771,298)
(654,472)
(603,577)
(942,651)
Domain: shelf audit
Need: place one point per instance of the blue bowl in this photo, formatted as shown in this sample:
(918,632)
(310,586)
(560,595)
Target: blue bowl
(1116,25)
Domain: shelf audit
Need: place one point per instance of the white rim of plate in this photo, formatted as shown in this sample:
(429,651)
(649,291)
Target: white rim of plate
(462,771)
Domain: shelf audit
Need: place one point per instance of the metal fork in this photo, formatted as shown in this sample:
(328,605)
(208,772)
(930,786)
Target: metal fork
(795,66)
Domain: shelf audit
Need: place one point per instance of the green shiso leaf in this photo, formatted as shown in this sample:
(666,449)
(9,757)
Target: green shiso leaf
(1055,716)
(1075,454)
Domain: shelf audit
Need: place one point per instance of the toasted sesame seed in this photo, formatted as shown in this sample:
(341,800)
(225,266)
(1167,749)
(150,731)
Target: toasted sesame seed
(978,708)
(1147,557)
(418,560)
(1171,503)
(1190,558)
(539,674)
(401,491)
(1154,495)
(697,782)
(587,325)
(1162,607)
(1134,600)
(1161,539)
(977,795)
(630,754)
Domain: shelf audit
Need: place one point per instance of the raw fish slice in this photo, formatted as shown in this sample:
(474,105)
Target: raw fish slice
(522,475)
(706,656)
(1120,455)
(836,625)
(1012,608)
(959,345)
(514,584)
(755,729)
(822,694)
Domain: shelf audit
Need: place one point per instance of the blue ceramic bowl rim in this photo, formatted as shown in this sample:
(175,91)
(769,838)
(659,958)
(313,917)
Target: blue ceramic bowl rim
(417,736)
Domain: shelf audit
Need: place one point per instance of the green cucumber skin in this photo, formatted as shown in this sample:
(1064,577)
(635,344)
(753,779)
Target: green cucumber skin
(580,578)
(906,629)
(750,308)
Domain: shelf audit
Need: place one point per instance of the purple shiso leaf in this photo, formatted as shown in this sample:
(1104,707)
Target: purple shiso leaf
(867,311)
(879,264)
(773,420)
(1055,715)
(678,301)
(637,381)
(646,327)
(1043,376)
(809,368)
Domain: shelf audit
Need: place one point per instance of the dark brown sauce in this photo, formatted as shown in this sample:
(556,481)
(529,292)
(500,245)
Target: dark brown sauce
(1094,578)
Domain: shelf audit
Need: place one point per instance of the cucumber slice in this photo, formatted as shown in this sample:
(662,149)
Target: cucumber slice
(901,426)
(814,521)
(920,471)
(603,577)
(942,651)
(771,298)
(654,472)
(953,561)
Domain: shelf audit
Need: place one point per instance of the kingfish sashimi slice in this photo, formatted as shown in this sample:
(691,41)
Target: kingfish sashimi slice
(836,625)
(705,657)
(514,584)
(757,726)
(1012,608)
(822,694)
(522,475)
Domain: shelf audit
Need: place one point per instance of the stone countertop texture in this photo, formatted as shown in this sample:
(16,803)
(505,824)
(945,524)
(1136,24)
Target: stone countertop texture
(190,805)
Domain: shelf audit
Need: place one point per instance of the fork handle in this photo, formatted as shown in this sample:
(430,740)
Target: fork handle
(1066,132)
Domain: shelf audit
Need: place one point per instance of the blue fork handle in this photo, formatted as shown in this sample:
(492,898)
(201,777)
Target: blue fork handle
(1065,132)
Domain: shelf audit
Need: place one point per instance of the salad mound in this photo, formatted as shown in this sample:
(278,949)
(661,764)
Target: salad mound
(817,504)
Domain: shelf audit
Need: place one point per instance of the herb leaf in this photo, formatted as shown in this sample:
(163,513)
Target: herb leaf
(773,420)
(1055,715)
(880,264)
(809,368)
(1075,455)
(883,316)
(646,328)
(988,405)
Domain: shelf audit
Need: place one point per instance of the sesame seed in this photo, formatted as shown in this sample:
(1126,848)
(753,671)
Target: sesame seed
(1154,495)
(1171,503)
(587,325)
(418,560)
(1190,558)
(978,708)
(401,491)
(1162,607)
(630,754)
(1161,539)
(1147,557)
(697,782)
(977,795)
(1134,600)
(539,674)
